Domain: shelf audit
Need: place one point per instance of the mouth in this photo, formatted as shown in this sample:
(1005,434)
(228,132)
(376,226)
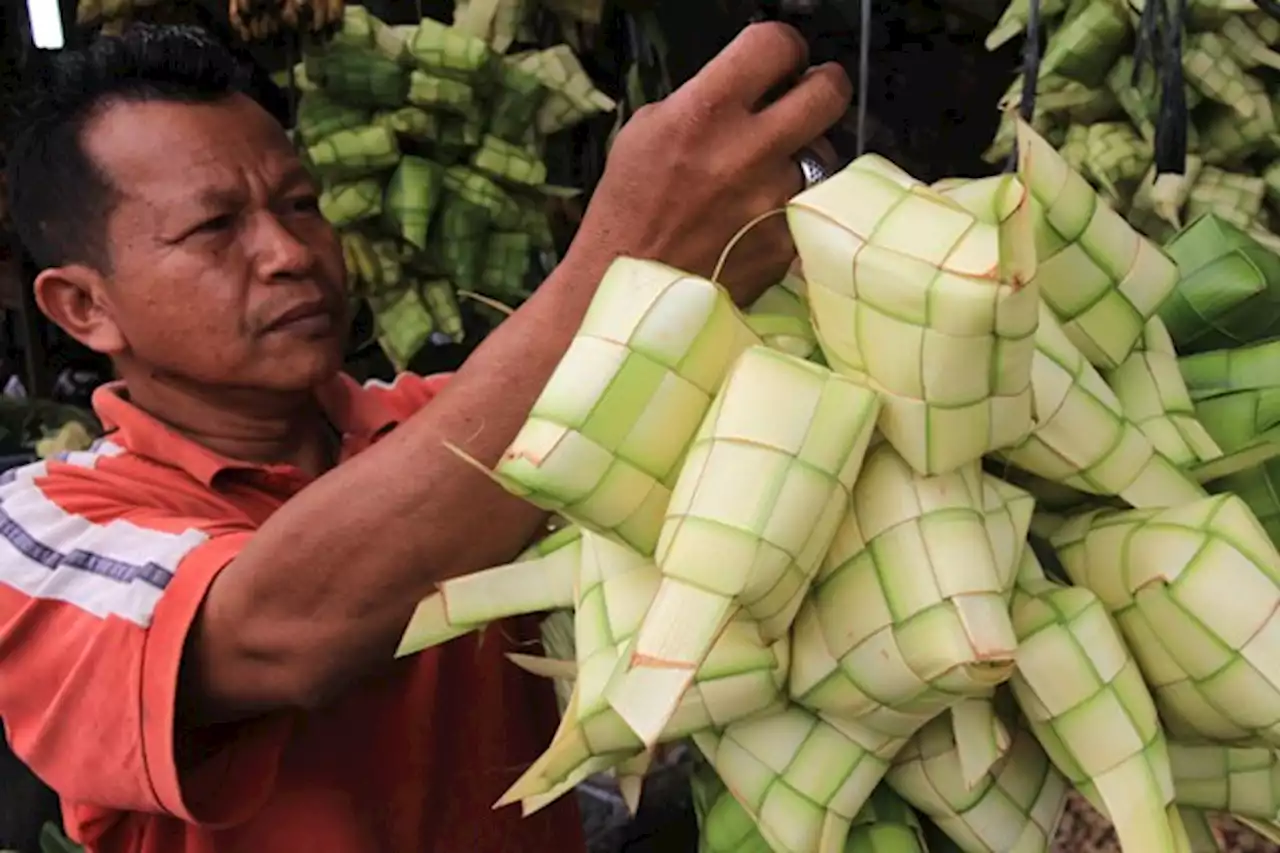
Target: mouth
(307,318)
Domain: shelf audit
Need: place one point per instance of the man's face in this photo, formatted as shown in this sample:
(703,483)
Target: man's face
(223,272)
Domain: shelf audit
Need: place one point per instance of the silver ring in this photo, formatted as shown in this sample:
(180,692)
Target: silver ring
(813,169)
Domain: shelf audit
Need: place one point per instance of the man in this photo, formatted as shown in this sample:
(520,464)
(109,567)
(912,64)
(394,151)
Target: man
(197,619)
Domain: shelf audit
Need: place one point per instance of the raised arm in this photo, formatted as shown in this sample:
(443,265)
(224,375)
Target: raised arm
(322,592)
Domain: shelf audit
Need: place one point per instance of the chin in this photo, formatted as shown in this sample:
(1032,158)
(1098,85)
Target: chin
(304,368)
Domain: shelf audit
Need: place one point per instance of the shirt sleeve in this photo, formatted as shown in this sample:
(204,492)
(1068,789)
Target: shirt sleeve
(96,600)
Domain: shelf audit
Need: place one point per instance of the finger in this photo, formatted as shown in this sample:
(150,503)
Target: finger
(758,60)
(809,110)
(760,260)
(825,151)
(819,148)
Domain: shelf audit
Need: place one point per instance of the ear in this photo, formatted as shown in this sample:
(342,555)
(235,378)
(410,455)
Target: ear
(74,297)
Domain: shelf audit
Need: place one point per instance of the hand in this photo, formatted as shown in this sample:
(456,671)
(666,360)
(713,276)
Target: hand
(685,174)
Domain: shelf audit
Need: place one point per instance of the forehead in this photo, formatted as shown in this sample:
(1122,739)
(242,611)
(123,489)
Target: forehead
(149,148)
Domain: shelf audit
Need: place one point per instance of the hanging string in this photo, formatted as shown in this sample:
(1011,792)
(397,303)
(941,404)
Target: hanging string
(1030,75)
(1145,47)
(864,74)
(1171,125)
(1271,7)
(1159,46)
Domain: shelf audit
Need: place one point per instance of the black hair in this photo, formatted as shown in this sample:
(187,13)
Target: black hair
(59,199)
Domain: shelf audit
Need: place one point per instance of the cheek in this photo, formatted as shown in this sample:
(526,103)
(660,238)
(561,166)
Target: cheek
(187,329)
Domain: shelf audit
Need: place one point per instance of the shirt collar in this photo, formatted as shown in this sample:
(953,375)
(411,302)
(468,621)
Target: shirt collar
(358,415)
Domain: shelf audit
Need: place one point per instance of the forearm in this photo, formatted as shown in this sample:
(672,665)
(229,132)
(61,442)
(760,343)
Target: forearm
(325,588)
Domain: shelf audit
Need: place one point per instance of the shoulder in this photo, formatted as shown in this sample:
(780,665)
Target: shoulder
(407,393)
(103,530)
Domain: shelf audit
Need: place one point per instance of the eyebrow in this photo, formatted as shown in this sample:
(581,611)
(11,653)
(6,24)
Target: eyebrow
(213,196)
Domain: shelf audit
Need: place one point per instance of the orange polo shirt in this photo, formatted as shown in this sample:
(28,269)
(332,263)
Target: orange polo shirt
(105,557)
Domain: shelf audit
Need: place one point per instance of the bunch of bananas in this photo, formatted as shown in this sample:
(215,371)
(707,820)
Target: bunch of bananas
(258,20)
(428,144)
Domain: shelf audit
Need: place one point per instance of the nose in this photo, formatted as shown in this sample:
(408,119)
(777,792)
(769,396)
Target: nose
(280,253)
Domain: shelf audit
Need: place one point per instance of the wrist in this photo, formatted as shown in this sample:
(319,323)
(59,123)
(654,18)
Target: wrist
(584,264)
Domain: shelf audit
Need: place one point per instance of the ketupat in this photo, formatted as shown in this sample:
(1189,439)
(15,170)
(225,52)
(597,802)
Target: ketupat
(614,588)
(1237,398)
(605,439)
(319,115)
(412,123)
(981,736)
(1153,395)
(1116,158)
(1201,835)
(1102,278)
(896,629)
(1230,92)
(1159,572)
(442,93)
(355,153)
(506,160)
(1228,291)
(1007,513)
(506,264)
(450,52)
(885,824)
(753,511)
(1013,20)
(378,101)
(941,327)
(571,96)
(1159,215)
(802,778)
(349,202)
(1210,67)
(724,826)
(412,195)
(442,302)
(541,578)
(1083,696)
(1088,41)
(1235,197)
(1242,781)
(1082,437)
(781,318)
(358,76)
(404,324)
(1014,807)
(1002,516)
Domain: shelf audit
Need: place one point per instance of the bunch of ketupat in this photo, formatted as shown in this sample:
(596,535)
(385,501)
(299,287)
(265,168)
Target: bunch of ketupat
(815,567)
(1102,115)
(428,142)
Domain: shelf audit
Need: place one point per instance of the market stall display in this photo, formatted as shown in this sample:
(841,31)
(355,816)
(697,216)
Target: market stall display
(836,577)
(428,142)
(970,516)
(1098,100)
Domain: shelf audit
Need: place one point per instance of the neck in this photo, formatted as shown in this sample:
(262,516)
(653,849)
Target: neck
(268,428)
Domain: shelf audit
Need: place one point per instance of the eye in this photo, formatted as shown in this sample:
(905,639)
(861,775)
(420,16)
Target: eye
(304,204)
(214,224)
